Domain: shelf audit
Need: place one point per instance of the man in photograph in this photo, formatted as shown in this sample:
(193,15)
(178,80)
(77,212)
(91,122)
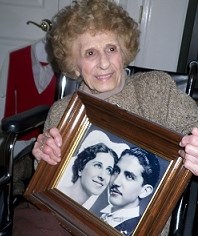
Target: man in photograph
(134,178)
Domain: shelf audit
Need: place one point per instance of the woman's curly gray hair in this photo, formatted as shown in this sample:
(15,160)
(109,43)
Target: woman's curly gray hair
(95,16)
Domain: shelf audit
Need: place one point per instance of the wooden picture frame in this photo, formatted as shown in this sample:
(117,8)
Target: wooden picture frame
(82,112)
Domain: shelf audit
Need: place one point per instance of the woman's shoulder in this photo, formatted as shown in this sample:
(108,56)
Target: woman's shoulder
(56,112)
(152,78)
(151,83)
(60,104)
(142,86)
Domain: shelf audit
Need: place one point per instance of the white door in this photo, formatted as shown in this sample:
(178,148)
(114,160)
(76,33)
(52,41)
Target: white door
(161,23)
(14,15)
(161,26)
(16,33)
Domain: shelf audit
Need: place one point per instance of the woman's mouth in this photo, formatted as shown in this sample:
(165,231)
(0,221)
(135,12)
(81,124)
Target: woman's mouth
(104,77)
(98,183)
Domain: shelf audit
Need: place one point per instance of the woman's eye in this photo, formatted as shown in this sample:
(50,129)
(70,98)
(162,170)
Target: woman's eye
(98,165)
(110,171)
(111,49)
(90,53)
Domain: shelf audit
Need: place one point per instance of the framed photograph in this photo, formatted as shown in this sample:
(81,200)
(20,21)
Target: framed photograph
(119,174)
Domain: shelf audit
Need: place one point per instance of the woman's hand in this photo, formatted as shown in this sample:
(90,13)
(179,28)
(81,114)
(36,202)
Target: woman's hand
(48,146)
(190,152)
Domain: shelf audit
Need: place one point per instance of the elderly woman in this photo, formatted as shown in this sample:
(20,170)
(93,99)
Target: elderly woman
(94,40)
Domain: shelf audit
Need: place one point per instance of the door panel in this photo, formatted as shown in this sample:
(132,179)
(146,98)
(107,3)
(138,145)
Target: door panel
(63,3)
(16,33)
(14,14)
(161,33)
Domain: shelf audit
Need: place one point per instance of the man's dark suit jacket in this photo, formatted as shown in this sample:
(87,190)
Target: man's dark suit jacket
(127,227)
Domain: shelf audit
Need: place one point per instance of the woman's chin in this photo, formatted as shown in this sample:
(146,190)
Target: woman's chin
(105,89)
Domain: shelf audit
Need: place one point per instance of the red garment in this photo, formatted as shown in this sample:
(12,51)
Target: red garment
(22,93)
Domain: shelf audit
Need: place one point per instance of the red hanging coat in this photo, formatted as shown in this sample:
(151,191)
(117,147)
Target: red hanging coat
(22,93)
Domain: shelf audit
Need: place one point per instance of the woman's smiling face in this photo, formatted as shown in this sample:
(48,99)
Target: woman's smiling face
(96,174)
(99,60)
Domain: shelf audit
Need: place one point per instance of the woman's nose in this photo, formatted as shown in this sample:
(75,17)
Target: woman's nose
(104,61)
(101,175)
(100,178)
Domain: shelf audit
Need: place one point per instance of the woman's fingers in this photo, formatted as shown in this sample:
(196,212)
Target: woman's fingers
(47,146)
(189,143)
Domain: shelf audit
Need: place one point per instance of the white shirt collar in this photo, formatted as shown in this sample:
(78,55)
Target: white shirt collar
(119,216)
(42,74)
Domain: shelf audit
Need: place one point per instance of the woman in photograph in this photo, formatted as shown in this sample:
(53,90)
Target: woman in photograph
(92,170)
(86,175)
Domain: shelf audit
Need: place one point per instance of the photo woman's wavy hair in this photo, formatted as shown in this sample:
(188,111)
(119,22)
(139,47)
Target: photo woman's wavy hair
(91,16)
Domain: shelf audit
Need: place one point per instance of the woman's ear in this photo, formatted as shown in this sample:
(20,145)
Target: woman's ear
(147,189)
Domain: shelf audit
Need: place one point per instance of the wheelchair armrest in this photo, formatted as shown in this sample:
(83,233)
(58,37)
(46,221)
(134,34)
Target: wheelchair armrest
(193,73)
(25,121)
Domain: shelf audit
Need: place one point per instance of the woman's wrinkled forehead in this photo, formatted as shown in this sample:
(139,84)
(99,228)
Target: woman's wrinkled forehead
(89,40)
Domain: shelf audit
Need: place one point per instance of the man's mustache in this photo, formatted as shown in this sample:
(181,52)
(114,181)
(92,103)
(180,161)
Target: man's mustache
(114,188)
